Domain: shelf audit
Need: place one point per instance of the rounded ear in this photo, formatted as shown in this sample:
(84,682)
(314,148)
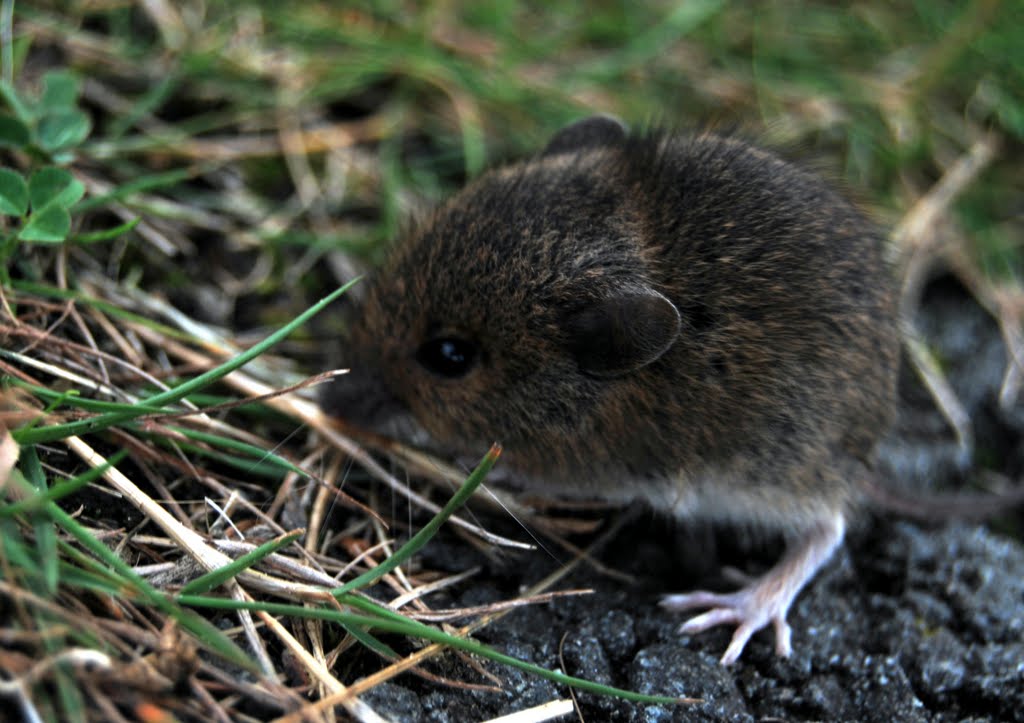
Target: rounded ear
(623,332)
(592,132)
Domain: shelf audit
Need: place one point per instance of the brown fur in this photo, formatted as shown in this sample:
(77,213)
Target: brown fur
(761,400)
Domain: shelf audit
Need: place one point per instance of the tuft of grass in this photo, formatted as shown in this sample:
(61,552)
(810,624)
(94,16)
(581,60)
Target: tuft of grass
(180,182)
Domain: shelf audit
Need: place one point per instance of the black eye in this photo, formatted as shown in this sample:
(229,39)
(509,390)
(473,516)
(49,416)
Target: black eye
(447,356)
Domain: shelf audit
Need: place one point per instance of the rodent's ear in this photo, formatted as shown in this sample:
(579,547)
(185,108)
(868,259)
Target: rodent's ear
(622,333)
(592,132)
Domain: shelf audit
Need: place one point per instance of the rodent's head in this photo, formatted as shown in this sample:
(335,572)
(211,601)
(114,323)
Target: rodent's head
(502,317)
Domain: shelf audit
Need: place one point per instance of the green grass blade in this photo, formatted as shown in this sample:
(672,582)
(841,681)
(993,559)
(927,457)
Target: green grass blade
(72,399)
(95,582)
(72,705)
(215,578)
(404,626)
(52,292)
(371,642)
(266,469)
(106,234)
(250,451)
(148,102)
(90,566)
(423,536)
(139,185)
(42,526)
(61,489)
(15,551)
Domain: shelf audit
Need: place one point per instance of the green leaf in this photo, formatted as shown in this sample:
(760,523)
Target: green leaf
(60,90)
(13,133)
(54,185)
(61,129)
(50,224)
(16,103)
(13,193)
(71,195)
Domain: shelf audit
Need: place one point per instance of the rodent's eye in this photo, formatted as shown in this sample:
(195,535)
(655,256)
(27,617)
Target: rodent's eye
(447,356)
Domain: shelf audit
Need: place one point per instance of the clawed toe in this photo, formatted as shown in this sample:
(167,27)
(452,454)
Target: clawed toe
(783,637)
(710,619)
(724,610)
(698,599)
(741,609)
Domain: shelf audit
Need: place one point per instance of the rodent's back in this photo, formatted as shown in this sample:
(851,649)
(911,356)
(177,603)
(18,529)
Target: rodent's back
(787,302)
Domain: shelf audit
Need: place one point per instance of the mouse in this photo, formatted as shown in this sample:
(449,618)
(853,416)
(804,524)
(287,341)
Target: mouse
(682,319)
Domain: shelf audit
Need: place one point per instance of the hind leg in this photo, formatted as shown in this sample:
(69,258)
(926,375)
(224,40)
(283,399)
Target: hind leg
(768,598)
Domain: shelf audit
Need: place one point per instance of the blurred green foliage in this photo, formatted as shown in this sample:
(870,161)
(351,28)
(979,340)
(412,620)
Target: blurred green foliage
(886,96)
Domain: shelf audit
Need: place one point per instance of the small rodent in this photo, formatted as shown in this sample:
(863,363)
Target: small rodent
(686,320)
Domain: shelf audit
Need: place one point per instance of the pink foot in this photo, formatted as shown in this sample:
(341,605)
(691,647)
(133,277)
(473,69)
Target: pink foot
(767,599)
(747,609)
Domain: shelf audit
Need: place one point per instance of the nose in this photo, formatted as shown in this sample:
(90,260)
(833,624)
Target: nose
(360,397)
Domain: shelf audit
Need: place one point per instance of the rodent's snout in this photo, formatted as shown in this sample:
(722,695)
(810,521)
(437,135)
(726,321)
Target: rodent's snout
(362,398)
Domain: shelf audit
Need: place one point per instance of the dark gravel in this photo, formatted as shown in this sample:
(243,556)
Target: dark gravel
(906,623)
